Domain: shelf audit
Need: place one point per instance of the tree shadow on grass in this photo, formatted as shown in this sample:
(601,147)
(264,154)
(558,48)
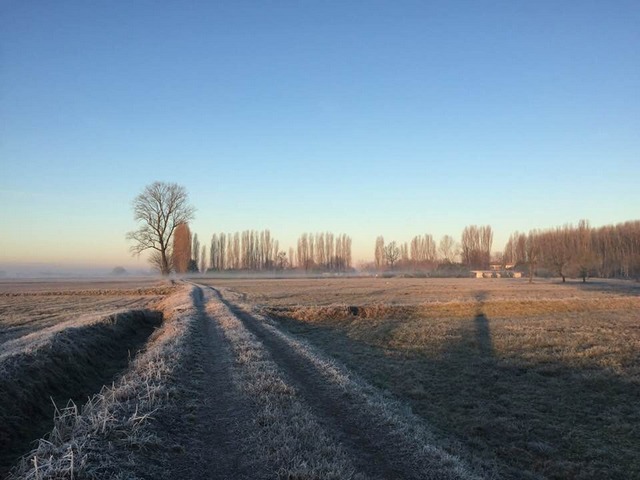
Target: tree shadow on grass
(514,417)
(481,325)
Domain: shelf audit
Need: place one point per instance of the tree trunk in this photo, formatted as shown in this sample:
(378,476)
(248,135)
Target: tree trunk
(164,268)
(563,279)
(530,272)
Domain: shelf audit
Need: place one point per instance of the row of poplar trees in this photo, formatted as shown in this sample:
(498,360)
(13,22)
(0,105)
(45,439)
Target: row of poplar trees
(257,251)
(324,252)
(247,250)
(579,250)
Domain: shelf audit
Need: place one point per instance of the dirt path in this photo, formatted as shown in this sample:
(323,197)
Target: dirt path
(201,435)
(254,403)
(370,451)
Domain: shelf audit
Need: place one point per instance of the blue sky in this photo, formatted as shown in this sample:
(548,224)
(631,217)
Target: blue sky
(368,118)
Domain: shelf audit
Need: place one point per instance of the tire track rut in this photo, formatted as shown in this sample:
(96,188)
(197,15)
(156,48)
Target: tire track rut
(203,432)
(327,404)
(371,441)
(251,403)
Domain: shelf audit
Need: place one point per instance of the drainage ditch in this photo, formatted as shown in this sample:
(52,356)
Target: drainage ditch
(74,365)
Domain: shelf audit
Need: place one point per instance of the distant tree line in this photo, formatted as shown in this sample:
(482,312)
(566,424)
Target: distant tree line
(249,250)
(577,251)
(323,252)
(582,251)
(424,253)
(257,251)
(163,214)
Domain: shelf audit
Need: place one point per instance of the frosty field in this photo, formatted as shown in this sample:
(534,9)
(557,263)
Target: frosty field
(525,381)
(61,341)
(321,378)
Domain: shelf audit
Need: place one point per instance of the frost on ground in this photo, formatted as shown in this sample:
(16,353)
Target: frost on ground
(219,392)
(290,435)
(93,440)
(370,426)
(22,315)
(405,431)
(520,380)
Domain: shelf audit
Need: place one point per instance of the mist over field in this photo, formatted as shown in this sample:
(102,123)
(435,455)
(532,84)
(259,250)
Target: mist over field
(10,270)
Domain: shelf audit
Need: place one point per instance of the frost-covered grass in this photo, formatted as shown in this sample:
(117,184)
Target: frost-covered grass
(538,381)
(92,440)
(25,310)
(289,435)
(412,291)
(92,286)
(395,425)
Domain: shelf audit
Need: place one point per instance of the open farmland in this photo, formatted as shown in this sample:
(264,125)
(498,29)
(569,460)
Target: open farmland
(327,378)
(33,306)
(526,381)
(219,391)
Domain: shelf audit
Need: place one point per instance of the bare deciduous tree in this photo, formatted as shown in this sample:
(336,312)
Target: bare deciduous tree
(532,252)
(556,249)
(281,260)
(585,259)
(391,253)
(447,248)
(404,254)
(161,207)
(476,246)
(292,262)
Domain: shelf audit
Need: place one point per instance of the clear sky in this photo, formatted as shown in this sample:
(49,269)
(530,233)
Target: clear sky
(364,117)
